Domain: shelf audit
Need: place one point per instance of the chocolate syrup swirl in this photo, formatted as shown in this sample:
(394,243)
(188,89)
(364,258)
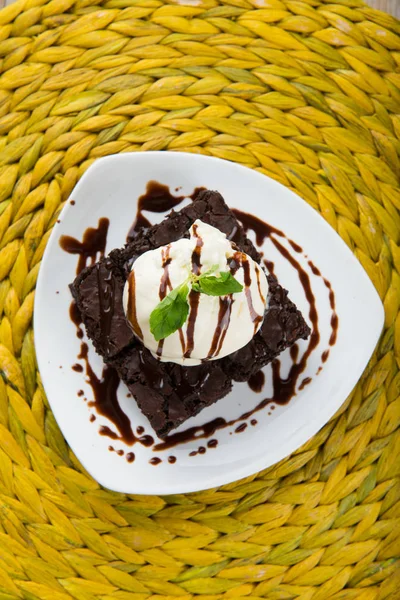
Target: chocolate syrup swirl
(156,199)
(165,285)
(224,317)
(259,285)
(196,254)
(257,382)
(132,316)
(240,260)
(254,316)
(94,242)
(194,300)
(194,297)
(104,389)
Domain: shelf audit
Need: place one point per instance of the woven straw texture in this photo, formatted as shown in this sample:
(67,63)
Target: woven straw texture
(305,91)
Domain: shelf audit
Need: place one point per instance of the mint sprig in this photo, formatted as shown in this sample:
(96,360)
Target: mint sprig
(171,313)
(222,285)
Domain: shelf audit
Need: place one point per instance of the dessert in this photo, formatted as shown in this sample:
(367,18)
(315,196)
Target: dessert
(219,316)
(219,334)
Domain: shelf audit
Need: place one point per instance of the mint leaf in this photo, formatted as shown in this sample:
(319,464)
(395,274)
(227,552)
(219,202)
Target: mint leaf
(210,271)
(171,313)
(222,285)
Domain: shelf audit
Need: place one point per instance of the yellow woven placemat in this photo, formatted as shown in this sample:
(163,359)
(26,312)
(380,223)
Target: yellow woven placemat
(305,91)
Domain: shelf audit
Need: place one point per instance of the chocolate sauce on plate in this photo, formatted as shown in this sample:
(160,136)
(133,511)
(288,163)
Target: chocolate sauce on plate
(212,443)
(270,266)
(146,440)
(314,269)
(104,389)
(94,241)
(75,317)
(105,399)
(305,382)
(296,247)
(106,431)
(294,352)
(156,199)
(257,381)
(241,427)
(262,231)
(284,389)
(201,431)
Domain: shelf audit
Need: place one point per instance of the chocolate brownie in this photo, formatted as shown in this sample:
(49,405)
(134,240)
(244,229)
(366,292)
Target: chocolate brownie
(168,393)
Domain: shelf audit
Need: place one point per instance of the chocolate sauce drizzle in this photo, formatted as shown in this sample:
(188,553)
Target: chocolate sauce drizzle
(105,399)
(194,297)
(257,382)
(334,318)
(165,287)
(255,317)
(132,316)
(262,231)
(224,317)
(156,199)
(94,242)
(240,260)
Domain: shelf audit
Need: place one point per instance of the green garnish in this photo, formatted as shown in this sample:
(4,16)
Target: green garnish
(222,285)
(171,313)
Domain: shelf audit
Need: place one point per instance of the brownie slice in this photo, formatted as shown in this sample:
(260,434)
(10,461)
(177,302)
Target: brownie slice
(168,393)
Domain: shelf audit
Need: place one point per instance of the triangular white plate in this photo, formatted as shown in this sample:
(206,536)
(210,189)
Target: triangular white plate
(110,188)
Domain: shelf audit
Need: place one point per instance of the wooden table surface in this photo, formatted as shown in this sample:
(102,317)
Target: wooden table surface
(390,6)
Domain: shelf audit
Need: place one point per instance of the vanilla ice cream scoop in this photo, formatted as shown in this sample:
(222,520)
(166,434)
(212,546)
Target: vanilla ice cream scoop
(216,325)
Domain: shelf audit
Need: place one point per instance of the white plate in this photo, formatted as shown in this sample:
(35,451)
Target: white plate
(110,188)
